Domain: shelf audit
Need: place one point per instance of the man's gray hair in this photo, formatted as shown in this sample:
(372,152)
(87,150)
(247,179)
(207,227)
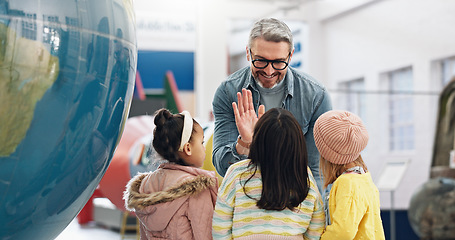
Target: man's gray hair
(271,29)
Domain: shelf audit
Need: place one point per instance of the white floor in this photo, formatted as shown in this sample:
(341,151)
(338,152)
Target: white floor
(75,231)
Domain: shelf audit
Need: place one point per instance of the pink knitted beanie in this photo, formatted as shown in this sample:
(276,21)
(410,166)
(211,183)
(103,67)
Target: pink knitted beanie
(340,136)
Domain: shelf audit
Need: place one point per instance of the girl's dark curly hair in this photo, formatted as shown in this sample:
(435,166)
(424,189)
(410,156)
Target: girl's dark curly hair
(168,133)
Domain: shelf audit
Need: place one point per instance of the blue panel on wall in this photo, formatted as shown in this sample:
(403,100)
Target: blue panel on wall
(403,229)
(153,65)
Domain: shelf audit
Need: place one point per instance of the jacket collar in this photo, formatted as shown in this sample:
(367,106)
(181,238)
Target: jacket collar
(251,83)
(137,201)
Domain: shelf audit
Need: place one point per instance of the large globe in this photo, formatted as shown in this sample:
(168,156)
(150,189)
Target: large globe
(67,71)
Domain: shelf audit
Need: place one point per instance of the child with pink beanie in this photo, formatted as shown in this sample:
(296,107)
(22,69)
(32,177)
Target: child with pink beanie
(353,203)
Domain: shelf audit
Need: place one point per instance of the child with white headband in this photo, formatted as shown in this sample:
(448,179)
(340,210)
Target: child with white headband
(176,201)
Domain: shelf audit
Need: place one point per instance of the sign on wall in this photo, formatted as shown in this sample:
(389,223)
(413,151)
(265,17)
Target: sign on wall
(166,40)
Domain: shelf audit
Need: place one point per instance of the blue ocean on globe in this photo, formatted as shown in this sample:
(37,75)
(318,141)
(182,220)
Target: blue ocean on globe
(67,71)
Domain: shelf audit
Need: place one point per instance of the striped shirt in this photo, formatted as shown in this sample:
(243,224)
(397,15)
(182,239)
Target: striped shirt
(237,216)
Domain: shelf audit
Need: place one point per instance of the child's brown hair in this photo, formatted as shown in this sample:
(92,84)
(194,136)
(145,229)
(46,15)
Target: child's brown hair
(331,172)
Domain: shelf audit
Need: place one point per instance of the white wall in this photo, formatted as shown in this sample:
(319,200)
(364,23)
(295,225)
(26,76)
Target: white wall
(370,39)
(212,48)
(211,53)
(382,37)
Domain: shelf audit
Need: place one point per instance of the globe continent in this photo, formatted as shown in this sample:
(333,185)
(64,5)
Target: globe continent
(67,71)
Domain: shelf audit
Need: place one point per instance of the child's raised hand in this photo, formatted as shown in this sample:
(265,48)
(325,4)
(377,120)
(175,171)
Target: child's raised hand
(261,111)
(245,116)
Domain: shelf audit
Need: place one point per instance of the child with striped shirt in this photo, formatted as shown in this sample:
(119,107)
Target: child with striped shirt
(271,195)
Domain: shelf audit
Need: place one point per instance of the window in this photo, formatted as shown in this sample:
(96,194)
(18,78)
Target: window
(448,70)
(52,32)
(354,98)
(401,116)
(29,26)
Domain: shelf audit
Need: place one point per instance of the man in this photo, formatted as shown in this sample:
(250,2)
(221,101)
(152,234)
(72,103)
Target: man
(271,82)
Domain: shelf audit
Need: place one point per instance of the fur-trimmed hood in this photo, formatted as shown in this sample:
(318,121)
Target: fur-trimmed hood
(136,201)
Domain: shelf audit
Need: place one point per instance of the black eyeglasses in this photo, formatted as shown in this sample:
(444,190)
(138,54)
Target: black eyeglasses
(276,64)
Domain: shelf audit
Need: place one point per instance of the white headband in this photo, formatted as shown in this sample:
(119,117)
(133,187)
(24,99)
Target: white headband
(187,129)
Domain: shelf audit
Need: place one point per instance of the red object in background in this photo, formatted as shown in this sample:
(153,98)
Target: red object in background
(114,181)
(174,90)
(139,88)
(86,214)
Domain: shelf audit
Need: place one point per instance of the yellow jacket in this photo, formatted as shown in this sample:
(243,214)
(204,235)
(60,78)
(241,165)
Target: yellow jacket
(354,209)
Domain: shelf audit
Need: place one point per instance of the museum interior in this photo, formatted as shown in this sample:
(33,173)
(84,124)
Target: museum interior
(80,82)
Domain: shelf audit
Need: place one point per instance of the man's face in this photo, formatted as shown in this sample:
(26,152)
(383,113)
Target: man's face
(266,50)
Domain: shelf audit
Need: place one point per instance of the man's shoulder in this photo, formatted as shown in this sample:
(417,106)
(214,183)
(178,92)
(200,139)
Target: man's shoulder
(305,78)
(233,83)
(238,77)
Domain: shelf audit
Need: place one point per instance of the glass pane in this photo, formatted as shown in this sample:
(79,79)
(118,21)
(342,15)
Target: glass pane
(260,63)
(279,65)
(401,110)
(448,70)
(354,99)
